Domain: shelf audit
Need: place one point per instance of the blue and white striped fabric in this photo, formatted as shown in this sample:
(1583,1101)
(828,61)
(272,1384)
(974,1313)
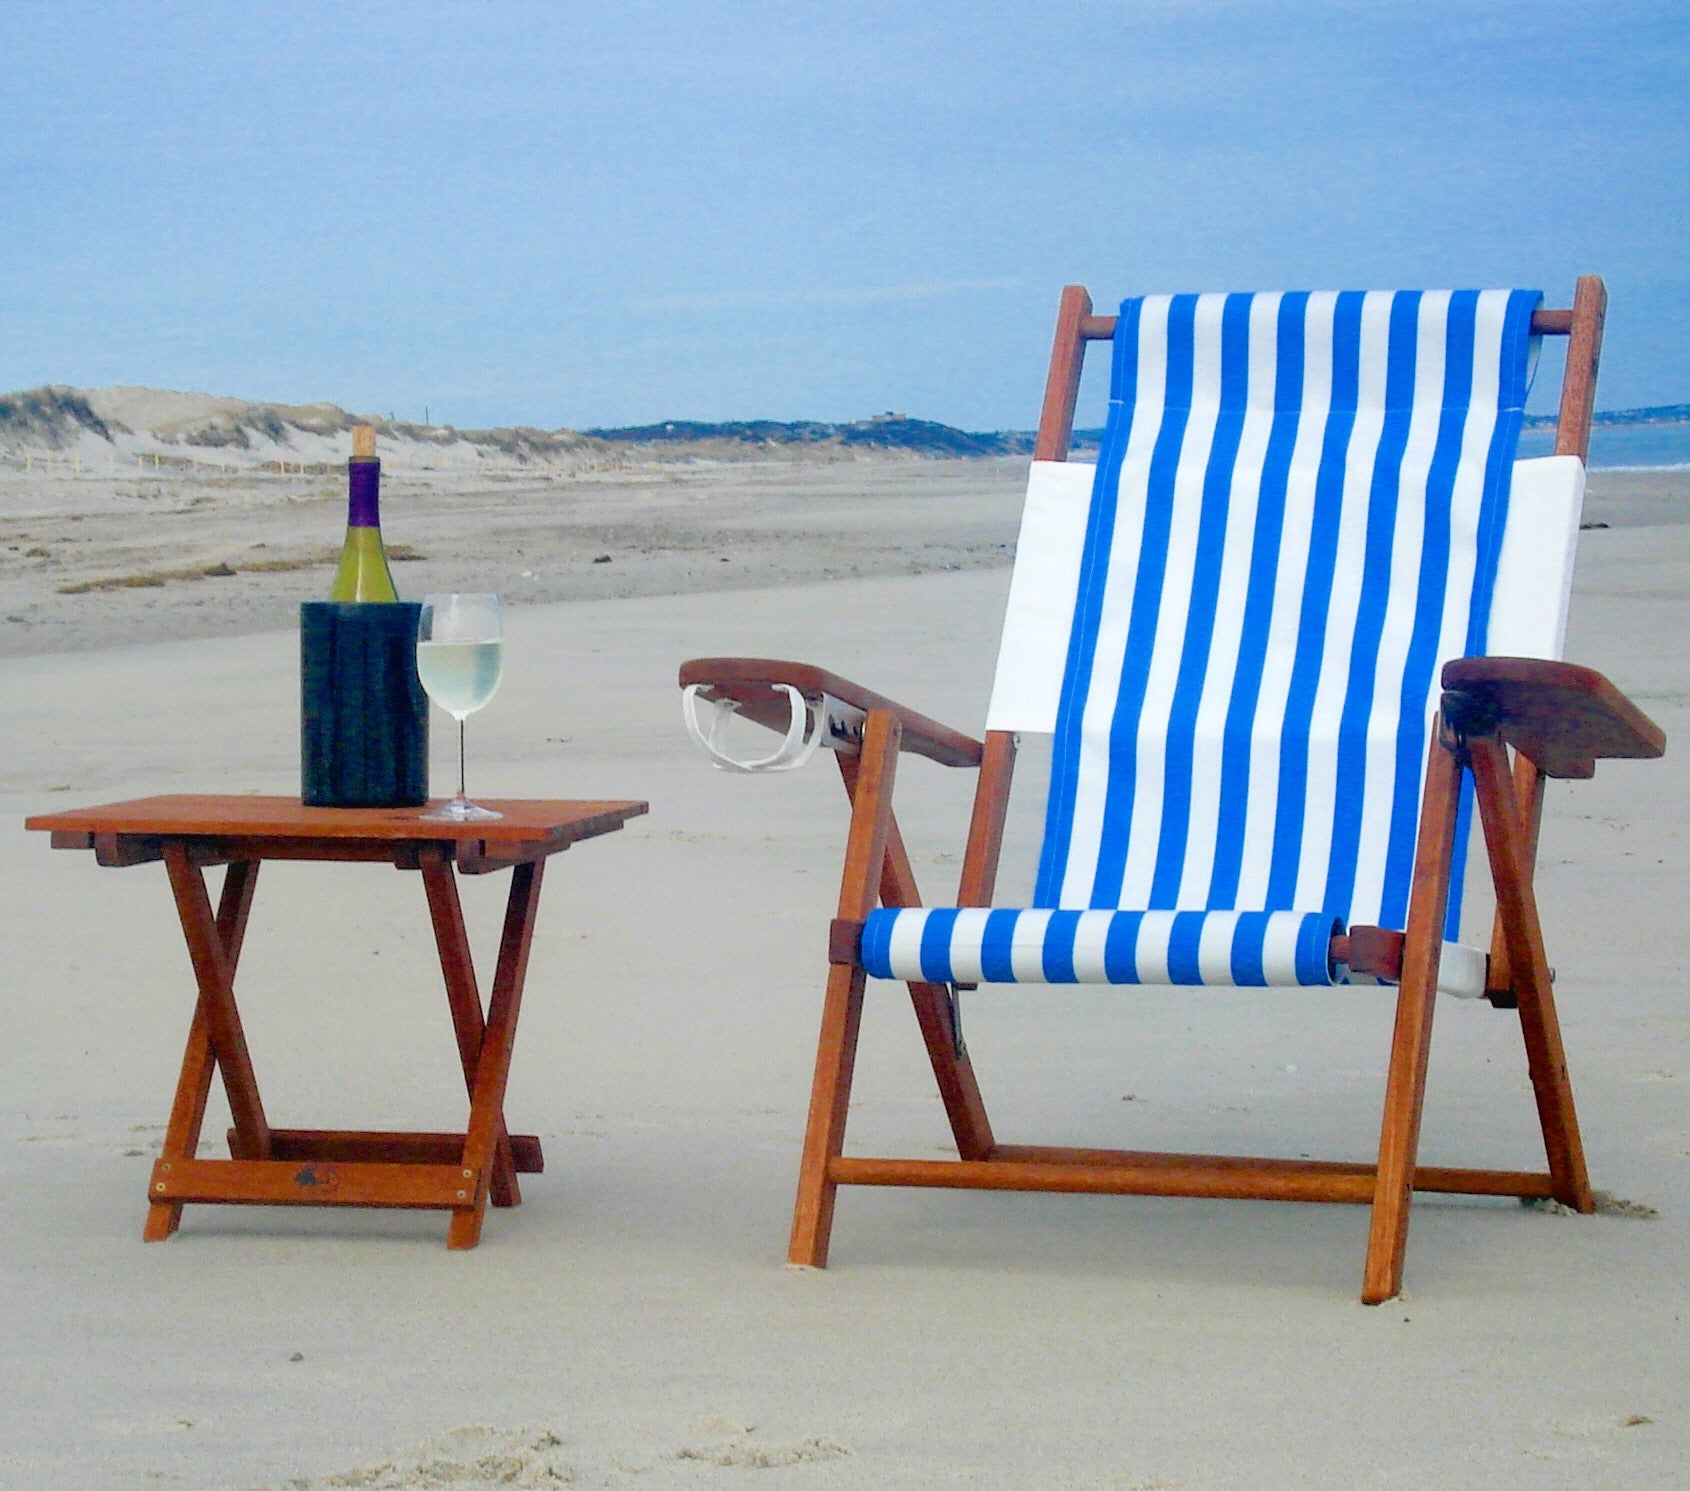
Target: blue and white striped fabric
(976,945)
(1296,517)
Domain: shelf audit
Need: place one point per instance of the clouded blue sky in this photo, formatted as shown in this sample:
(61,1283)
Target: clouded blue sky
(581,214)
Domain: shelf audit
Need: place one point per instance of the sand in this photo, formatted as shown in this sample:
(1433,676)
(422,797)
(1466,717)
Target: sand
(86,557)
(632,1325)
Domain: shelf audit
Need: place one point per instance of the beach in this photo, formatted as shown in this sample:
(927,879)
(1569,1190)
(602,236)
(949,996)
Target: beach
(632,1324)
(147,554)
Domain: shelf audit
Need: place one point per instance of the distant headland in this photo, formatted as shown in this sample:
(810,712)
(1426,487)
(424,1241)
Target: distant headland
(161,424)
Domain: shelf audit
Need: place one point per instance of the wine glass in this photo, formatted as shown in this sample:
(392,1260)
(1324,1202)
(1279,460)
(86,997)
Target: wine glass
(459,660)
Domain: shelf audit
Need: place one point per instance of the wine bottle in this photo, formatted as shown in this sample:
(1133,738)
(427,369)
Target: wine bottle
(363,574)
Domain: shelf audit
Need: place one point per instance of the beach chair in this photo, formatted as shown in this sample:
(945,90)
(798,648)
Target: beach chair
(1304,609)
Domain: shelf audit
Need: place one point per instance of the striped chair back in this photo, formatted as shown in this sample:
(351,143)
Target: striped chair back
(1296,520)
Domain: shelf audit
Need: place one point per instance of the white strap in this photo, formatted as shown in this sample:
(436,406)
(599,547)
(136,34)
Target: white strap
(795,749)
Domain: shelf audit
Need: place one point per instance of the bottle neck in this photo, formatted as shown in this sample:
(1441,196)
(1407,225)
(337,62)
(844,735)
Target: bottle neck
(363,485)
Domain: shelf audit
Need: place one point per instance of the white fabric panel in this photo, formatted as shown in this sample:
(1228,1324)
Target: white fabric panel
(1027,949)
(1279,951)
(966,936)
(906,942)
(1462,970)
(1150,952)
(1040,614)
(1090,939)
(1214,947)
(1534,577)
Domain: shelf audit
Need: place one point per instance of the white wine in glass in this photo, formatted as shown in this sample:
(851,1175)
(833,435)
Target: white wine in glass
(460,646)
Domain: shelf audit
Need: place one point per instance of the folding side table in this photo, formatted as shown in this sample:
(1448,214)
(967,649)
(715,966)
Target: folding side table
(458,1173)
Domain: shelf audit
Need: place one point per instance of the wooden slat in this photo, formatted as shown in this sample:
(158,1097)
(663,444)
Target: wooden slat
(1545,322)
(747,681)
(1376,951)
(1516,904)
(214,970)
(1562,716)
(193,1085)
(1062,385)
(1411,1036)
(1129,1173)
(1584,356)
(463,998)
(312,1183)
(1529,785)
(1111,1179)
(868,779)
(380,1146)
(284,819)
(1441,1178)
(116,851)
(985,828)
(498,1041)
(953,1072)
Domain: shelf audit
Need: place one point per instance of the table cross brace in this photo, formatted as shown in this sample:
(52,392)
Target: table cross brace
(458,1173)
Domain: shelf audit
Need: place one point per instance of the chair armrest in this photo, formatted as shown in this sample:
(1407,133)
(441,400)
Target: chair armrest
(747,681)
(1560,716)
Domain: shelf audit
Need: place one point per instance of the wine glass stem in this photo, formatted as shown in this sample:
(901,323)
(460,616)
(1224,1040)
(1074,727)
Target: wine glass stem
(461,795)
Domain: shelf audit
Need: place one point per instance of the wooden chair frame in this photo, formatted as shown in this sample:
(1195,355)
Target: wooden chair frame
(1555,717)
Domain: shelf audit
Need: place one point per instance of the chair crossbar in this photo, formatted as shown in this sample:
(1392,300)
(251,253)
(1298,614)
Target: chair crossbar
(1122,1172)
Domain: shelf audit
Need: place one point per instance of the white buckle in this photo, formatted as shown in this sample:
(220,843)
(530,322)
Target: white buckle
(824,721)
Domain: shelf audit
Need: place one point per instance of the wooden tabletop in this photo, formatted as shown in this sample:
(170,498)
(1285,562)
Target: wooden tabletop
(526,822)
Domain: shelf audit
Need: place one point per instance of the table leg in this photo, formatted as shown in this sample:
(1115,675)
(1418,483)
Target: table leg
(493,1062)
(446,912)
(193,1087)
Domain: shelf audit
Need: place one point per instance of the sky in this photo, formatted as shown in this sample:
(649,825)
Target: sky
(572,214)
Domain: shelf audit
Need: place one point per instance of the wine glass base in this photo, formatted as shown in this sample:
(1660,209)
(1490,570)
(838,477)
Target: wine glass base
(461,812)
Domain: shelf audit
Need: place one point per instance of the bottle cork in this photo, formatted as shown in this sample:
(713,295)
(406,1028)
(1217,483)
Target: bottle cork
(363,442)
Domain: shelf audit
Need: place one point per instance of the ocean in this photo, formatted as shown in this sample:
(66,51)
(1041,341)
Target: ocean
(1622,445)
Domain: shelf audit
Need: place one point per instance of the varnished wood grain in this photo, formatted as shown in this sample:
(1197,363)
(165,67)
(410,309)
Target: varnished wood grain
(1411,1039)
(1545,322)
(984,848)
(1584,356)
(341,1167)
(747,681)
(286,818)
(311,1183)
(1133,1173)
(193,1085)
(463,998)
(869,778)
(498,1041)
(1516,903)
(1062,384)
(953,1072)
(1563,717)
(391,1147)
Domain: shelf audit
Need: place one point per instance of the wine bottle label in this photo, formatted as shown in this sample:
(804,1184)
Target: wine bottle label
(363,494)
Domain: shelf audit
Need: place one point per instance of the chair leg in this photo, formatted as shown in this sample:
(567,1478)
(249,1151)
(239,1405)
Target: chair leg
(1507,840)
(869,781)
(1405,1085)
(952,1070)
(830,1098)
